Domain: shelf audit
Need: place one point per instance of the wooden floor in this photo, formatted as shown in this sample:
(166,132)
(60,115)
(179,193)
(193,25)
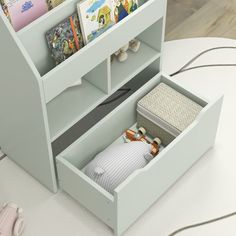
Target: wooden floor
(201,18)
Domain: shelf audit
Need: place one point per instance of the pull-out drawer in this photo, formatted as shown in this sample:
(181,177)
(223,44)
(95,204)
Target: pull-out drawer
(143,187)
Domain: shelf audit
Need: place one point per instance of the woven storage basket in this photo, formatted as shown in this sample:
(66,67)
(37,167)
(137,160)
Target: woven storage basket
(165,113)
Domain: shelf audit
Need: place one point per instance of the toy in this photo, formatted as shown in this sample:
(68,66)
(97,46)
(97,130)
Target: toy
(136,136)
(134,45)
(113,165)
(11,220)
(131,136)
(122,54)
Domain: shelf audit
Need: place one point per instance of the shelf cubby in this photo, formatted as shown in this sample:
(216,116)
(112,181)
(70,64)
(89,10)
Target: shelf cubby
(122,72)
(72,105)
(75,102)
(150,51)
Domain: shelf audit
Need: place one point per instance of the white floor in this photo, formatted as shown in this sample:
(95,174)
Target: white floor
(206,191)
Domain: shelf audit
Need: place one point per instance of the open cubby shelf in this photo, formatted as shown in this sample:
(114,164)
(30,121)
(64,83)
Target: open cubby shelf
(78,101)
(72,105)
(121,73)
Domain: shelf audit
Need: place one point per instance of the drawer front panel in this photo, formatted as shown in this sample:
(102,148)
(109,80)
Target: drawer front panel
(90,195)
(143,188)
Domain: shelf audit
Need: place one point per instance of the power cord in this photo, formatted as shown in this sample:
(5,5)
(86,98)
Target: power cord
(184,69)
(181,70)
(202,223)
(203,66)
(124,92)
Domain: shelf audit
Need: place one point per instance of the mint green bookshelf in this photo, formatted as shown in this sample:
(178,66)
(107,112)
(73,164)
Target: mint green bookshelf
(39,108)
(42,101)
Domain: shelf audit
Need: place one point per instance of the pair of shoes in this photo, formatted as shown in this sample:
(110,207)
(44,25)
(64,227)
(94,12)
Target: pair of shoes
(122,54)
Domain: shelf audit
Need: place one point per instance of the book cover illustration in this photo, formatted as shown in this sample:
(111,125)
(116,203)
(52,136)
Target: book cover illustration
(123,8)
(65,39)
(96,17)
(22,12)
(53,3)
(5,9)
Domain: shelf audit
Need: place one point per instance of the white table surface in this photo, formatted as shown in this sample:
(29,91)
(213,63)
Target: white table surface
(206,191)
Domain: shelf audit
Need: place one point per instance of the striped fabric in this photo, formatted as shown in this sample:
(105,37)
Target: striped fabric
(113,165)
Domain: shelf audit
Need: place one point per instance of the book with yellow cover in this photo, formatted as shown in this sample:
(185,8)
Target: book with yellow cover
(96,17)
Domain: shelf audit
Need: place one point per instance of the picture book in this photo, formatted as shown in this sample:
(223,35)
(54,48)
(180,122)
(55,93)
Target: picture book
(22,12)
(96,17)
(122,8)
(5,9)
(53,3)
(65,39)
